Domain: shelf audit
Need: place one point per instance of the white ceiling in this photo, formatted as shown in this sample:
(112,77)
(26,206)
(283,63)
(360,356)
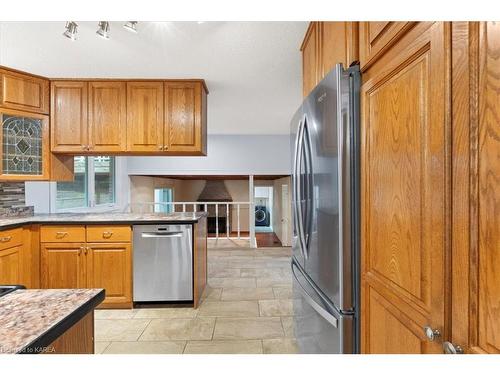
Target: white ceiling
(252,69)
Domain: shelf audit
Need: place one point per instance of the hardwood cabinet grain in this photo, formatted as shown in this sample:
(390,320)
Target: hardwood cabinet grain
(107,116)
(325,45)
(309,48)
(109,266)
(63,265)
(488,189)
(68,120)
(404,192)
(92,256)
(185,113)
(24,92)
(11,265)
(338,44)
(145,116)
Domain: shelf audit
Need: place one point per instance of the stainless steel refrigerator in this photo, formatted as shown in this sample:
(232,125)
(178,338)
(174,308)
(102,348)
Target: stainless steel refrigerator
(325,180)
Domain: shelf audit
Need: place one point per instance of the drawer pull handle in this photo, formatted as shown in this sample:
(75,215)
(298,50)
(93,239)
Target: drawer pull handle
(107,234)
(5,239)
(61,234)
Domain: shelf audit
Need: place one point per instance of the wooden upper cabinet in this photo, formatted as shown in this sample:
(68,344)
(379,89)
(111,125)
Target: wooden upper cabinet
(325,45)
(135,117)
(338,43)
(185,117)
(145,116)
(69,125)
(404,188)
(24,92)
(24,146)
(107,116)
(487,321)
(376,37)
(310,59)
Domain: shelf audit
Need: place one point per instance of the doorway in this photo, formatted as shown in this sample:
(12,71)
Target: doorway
(162,196)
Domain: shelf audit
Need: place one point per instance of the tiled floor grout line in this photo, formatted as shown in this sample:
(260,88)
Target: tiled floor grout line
(142,333)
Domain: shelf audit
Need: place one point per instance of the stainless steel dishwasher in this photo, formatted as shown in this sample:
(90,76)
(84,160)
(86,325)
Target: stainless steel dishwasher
(163,263)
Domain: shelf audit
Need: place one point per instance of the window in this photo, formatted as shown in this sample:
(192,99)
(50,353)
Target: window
(94,184)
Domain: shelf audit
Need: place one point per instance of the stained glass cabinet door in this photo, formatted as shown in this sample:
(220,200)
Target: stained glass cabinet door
(24,143)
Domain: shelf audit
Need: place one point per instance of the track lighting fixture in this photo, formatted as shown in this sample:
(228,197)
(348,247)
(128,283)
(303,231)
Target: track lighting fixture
(71,30)
(103,30)
(131,26)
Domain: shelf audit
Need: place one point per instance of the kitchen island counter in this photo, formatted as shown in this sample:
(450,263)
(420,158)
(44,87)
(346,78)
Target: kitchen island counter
(104,218)
(38,320)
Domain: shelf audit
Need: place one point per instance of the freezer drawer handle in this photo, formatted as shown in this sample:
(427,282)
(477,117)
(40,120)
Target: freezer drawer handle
(316,306)
(161,234)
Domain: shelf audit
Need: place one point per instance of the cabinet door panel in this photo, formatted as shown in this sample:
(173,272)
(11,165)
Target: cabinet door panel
(333,45)
(183,122)
(69,125)
(310,74)
(376,37)
(489,189)
(110,267)
(24,146)
(24,92)
(404,183)
(144,116)
(11,266)
(107,116)
(63,266)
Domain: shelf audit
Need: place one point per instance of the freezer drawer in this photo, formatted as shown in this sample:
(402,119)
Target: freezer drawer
(163,263)
(319,327)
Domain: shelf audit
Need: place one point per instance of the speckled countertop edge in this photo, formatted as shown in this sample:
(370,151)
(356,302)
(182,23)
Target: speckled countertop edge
(33,318)
(103,218)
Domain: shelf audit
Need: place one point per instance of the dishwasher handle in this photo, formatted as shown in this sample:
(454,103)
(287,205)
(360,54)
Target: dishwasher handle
(161,234)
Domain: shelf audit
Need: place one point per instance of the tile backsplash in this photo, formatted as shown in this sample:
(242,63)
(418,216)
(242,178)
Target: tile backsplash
(12,199)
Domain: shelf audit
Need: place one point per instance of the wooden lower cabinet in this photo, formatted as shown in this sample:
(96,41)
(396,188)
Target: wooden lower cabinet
(105,264)
(79,339)
(63,265)
(11,271)
(405,201)
(18,261)
(109,266)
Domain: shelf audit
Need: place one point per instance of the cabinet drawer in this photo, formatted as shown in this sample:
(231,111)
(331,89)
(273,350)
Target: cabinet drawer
(108,233)
(56,233)
(10,238)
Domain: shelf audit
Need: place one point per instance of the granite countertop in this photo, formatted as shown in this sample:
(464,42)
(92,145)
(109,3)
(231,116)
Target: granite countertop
(33,318)
(105,217)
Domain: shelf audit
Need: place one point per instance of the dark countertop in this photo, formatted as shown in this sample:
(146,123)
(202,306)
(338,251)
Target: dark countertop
(31,319)
(103,218)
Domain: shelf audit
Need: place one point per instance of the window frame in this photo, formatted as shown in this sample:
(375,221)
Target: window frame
(91,200)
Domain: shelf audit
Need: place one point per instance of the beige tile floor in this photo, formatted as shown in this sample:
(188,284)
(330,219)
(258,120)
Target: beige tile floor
(246,309)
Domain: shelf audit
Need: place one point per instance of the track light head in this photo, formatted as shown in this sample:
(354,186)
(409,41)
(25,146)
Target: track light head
(130,26)
(71,30)
(103,30)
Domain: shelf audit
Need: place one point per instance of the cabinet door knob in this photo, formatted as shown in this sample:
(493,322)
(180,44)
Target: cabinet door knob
(450,348)
(5,239)
(431,333)
(107,234)
(160,148)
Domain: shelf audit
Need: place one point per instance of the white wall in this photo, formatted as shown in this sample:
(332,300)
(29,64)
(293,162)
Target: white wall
(227,154)
(279,212)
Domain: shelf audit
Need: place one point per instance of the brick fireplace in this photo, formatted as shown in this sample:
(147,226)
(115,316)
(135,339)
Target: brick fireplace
(216,191)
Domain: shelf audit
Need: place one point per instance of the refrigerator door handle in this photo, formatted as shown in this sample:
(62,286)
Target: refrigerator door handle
(298,190)
(295,176)
(316,306)
(310,187)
